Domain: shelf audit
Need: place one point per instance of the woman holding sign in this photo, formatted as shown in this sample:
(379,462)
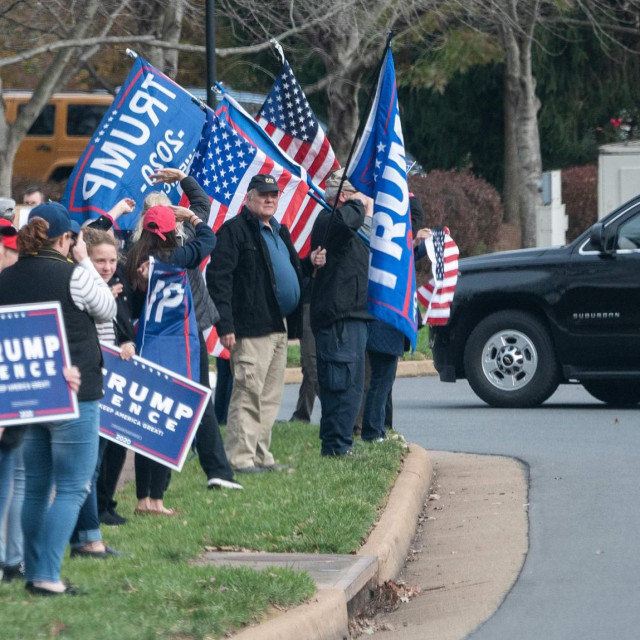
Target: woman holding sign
(59,456)
(159,240)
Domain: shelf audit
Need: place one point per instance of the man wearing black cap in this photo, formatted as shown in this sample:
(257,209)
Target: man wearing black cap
(339,311)
(254,278)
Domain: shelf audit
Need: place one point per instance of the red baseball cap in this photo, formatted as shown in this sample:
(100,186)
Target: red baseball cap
(159,220)
(8,234)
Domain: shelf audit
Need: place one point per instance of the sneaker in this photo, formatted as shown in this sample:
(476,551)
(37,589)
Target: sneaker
(13,572)
(219,483)
(111,519)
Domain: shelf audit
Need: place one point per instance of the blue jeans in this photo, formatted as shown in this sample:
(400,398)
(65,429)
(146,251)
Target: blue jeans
(11,499)
(383,374)
(6,482)
(87,527)
(340,360)
(60,456)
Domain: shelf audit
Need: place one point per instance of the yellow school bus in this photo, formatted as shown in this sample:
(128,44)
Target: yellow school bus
(59,135)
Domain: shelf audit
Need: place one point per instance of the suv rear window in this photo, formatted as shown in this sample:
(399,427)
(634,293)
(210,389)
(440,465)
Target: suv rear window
(83,119)
(44,124)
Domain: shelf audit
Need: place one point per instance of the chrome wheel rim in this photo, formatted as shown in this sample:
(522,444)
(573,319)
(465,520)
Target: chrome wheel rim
(509,360)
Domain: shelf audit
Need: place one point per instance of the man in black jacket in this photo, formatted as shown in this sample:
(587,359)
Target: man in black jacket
(339,311)
(254,278)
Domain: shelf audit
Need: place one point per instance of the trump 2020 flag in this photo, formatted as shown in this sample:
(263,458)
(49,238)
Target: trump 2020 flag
(151,123)
(167,330)
(378,169)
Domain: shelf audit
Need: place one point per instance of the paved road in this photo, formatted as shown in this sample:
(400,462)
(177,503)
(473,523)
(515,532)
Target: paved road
(582,574)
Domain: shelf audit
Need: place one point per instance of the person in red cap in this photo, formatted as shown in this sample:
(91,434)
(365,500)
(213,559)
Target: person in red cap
(8,244)
(159,239)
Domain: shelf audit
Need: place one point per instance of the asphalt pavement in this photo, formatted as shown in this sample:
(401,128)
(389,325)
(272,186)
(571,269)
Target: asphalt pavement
(580,576)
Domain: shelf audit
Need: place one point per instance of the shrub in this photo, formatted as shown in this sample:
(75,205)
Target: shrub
(469,206)
(580,196)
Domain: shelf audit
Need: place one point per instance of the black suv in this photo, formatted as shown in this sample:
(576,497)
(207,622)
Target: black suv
(522,322)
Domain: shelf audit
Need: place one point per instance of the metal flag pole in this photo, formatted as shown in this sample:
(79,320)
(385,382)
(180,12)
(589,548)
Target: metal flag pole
(363,120)
(210,29)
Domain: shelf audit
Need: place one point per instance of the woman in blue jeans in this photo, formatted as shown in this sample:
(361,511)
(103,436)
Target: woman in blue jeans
(59,456)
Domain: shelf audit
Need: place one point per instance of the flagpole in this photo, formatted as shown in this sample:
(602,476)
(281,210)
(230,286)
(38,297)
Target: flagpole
(210,28)
(358,135)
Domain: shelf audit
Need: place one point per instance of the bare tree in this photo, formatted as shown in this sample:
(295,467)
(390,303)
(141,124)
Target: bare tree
(347,35)
(63,36)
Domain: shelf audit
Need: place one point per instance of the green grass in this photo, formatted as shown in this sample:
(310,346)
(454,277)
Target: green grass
(324,505)
(422,351)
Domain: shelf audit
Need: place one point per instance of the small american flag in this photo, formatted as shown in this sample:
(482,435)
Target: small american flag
(287,117)
(437,294)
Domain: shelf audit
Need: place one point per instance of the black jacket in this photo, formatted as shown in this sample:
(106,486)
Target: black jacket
(339,289)
(242,284)
(43,277)
(123,325)
(206,312)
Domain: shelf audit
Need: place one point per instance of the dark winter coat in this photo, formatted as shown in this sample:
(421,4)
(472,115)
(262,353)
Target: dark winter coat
(242,284)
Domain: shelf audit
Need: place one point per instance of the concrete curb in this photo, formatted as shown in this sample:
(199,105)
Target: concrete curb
(406,369)
(391,538)
(325,616)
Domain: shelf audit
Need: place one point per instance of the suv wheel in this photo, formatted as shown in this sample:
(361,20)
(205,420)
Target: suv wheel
(509,360)
(619,393)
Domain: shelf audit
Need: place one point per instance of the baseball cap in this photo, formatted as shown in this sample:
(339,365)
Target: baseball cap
(263,183)
(8,234)
(334,180)
(159,220)
(57,216)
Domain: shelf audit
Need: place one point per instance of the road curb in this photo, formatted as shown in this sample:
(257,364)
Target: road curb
(406,369)
(325,617)
(391,538)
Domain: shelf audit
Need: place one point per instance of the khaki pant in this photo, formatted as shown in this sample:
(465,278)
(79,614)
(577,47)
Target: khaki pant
(258,366)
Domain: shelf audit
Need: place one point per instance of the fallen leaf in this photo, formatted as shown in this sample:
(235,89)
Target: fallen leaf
(57,627)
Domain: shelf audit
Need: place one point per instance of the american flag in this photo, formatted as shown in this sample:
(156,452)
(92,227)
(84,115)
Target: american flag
(437,294)
(301,213)
(223,164)
(287,117)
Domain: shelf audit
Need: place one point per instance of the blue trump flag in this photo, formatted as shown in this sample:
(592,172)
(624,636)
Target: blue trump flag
(167,331)
(378,169)
(151,123)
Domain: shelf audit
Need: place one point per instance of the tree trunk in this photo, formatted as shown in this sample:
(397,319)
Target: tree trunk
(168,28)
(343,117)
(520,92)
(510,193)
(53,77)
